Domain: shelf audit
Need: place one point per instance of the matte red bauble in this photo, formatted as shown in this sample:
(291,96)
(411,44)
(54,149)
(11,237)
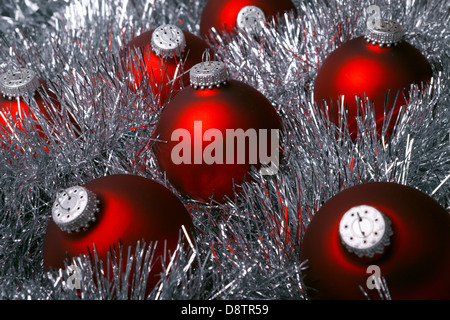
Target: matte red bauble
(167,55)
(375,65)
(104,211)
(200,135)
(373,231)
(18,87)
(229,14)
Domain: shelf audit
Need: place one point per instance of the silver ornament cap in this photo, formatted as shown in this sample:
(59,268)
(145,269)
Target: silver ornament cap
(18,82)
(249,17)
(365,231)
(208,74)
(168,40)
(74,208)
(384,32)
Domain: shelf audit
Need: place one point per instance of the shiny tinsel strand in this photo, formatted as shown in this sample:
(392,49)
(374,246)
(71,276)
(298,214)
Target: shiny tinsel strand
(247,248)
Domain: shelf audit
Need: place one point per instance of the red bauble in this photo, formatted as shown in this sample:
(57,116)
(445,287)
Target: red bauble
(361,68)
(17,87)
(130,209)
(223,14)
(166,61)
(233,106)
(414,259)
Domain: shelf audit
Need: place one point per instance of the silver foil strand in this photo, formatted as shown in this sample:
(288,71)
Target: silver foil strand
(247,248)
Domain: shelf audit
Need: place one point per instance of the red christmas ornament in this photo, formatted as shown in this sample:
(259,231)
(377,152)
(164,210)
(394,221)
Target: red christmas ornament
(211,133)
(104,211)
(375,230)
(167,54)
(244,14)
(375,65)
(18,87)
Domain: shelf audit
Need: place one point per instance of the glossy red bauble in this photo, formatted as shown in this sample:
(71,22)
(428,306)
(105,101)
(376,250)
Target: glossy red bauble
(166,75)
(233,106)
(358,68)
(13,110)
(222,14)
(415,264)
(131,208)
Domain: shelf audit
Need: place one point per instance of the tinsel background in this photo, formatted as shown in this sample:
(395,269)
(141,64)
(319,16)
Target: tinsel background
(247,248)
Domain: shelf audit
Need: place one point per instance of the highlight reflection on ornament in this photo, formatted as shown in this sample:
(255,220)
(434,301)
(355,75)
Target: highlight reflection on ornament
(192,144)
(399,229)
(380,66)
(230,15)
(161,58)
(110,210)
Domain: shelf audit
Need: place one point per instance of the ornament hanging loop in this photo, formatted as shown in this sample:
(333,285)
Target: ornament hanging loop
(374,21)
(168,41)
(390,33)
(18,83)
(206,56)
(208,73)
(74,208)
(380,31)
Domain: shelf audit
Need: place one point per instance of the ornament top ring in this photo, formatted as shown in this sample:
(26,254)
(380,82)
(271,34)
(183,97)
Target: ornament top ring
(168,40)
(249,17)
(18,82)
(74,208)
(365,231)
(208,74)
(384,32)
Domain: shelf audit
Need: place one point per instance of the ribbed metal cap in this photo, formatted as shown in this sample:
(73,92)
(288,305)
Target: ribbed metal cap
(249,17)
(168,40)
(74,208)
(384,33)
(19,82)
(365,231)
(208,74)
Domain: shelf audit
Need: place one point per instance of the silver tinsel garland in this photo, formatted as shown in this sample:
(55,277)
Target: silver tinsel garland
(247,248)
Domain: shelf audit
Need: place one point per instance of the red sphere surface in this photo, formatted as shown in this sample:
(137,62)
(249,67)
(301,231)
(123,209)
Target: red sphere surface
(222,14)
(233,106)
(14,109)
(166,76)
(360,68)
(131,209)
(415,264)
